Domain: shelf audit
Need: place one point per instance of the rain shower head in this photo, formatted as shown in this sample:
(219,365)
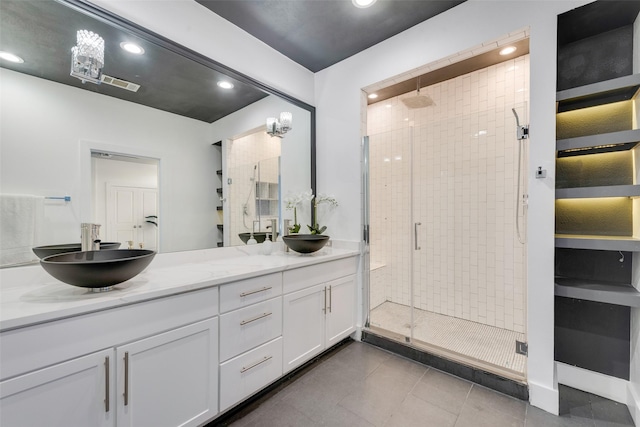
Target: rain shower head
(418,101)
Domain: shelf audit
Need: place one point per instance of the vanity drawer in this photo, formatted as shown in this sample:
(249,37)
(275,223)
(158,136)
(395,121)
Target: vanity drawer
(244,375)
(304,277)
(248,327)
(246,292)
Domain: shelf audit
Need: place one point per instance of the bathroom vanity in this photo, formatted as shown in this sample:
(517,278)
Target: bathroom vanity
(189,338)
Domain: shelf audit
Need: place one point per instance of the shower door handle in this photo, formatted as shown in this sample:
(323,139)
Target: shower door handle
(415,235)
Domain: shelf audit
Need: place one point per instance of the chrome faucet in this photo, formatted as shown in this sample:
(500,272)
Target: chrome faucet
(286,225)
(274,228)
(89,237)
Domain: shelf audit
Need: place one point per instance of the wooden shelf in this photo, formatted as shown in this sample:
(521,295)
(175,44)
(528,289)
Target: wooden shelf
(606,243)
(600,191)
(589,290)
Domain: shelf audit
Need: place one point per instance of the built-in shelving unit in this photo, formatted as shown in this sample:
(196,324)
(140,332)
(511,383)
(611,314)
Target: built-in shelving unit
(597,187)
(219,196)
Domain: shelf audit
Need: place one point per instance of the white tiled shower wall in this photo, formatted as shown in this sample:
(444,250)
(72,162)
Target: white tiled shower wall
(243,153)
(464,151)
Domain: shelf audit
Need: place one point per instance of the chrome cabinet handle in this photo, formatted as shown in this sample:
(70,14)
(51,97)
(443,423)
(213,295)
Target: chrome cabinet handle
(244,294)
(330,295)
(126,378)
(259,362)
(415,234)
(253,319)
(106,384)
(324,307)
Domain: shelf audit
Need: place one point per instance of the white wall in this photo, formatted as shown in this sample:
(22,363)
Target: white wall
(43,131)
(338,102)
(194,26)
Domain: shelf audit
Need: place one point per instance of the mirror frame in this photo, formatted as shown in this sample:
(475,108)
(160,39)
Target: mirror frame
(123,24)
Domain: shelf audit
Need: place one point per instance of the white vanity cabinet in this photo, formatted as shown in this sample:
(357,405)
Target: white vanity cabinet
(250,337)
(169,379)
(73,393)
(319,309)
(151,363)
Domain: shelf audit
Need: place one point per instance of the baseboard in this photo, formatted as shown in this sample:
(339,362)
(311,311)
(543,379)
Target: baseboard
(593,382)
(633,403)
(544,398)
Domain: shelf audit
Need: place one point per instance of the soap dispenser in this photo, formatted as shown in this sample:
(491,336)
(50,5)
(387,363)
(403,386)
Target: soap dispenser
(252,240)
(267,245)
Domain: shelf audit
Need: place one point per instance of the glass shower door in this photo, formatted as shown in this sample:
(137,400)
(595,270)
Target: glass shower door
(391,233)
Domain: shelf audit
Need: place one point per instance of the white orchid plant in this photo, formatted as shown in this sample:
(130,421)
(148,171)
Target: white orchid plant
(293,201)
(326,199)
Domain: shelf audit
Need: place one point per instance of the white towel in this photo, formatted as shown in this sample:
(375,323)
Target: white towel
(21,218)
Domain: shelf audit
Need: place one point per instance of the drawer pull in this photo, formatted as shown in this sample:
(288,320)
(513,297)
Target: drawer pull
(244,294)
(244,322)
(259,362)
(106,384)
(126,378)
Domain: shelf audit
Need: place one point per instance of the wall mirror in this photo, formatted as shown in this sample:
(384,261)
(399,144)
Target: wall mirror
(167,109)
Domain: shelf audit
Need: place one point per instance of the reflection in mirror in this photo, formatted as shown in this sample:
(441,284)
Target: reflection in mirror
(53,122)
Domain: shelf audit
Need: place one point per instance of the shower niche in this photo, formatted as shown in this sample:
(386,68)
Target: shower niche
(597,205)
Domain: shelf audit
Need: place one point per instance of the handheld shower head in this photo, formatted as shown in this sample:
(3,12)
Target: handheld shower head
(517,119)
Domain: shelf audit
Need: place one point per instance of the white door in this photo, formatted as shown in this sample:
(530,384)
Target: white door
(170,379)
(341,309)
(76,393)
(128,211)
(303,326)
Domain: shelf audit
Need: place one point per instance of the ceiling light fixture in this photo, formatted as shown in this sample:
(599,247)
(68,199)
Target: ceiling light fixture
(87,57)
(132,48)
(363,3)
(11,57)
(277,127)
(372,96)
(225,85)
(508,50)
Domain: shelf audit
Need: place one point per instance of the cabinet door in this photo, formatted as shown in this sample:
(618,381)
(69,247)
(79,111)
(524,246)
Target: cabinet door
(341,309)
(74,393)
(170,379)
(303,326)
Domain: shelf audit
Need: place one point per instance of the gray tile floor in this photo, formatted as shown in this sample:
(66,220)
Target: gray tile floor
(361,385)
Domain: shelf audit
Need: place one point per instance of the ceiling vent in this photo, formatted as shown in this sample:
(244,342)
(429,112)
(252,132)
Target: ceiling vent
(122,84)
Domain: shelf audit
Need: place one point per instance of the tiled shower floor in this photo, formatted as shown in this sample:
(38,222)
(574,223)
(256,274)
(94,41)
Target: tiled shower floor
(480,343)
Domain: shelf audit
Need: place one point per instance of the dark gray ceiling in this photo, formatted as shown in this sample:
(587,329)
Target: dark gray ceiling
(42,32)
(320,33)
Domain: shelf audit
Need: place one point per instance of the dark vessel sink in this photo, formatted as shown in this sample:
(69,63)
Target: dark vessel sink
(98,270)
(45,251)
(305,243)
(259,236)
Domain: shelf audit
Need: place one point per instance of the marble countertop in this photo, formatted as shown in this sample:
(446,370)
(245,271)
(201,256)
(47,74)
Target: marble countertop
(28,295)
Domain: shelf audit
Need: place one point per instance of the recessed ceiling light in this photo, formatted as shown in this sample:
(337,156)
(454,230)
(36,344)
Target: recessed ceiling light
(11,57)
(507,50)
(363,3)
(388,105)
(132,48)
(225,85)
(372,96)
